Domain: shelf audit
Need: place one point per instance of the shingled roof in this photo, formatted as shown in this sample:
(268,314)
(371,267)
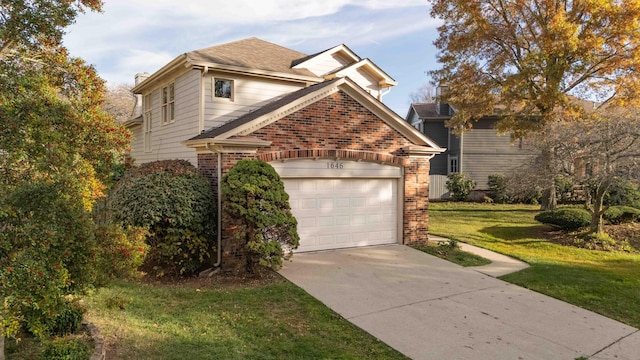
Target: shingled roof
(252,53)
(427,111)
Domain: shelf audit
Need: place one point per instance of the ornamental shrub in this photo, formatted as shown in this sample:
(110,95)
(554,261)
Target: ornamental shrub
(176,204)
(121,252)
(621,214)
(459,186)
(565,218)
(498,184)
(257,207)
(68,320)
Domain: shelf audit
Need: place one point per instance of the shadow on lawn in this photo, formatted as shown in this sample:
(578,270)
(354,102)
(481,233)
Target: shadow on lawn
(514,233)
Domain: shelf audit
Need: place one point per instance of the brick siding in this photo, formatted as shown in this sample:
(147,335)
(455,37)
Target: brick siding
(335,126)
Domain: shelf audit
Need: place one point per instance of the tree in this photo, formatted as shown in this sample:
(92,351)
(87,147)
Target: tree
(57,147)
(255,203)
(424,94)
(119,102)
(598,152)
(524,60)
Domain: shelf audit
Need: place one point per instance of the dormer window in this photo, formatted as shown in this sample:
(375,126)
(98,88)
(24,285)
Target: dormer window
(223,89)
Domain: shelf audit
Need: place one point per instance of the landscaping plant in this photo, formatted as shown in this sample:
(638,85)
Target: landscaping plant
(175,203)
(255,203)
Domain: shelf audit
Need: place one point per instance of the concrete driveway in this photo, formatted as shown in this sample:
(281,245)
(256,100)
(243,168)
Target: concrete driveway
(428,308)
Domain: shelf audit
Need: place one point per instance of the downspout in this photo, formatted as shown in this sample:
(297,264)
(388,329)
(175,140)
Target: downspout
(219,213)
(381,94)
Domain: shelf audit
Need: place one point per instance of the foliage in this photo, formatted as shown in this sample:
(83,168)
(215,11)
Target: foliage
(176,203)
(621,214)
(565,218)
(67,348)
(498,184)
(119,101)
(255,202)
(68,320)
(528,57)
(121,251)
(48,248)
(623,192)
(459,186)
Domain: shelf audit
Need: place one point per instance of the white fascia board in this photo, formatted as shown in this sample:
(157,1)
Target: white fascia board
(343,49)
(384,80)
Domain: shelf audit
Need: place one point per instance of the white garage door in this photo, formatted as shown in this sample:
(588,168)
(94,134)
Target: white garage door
(344,212)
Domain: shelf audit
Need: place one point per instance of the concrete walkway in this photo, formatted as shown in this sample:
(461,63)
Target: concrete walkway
(500,264)
(428,308)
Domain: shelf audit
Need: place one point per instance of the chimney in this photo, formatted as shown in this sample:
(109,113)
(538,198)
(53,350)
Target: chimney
(442,108)
(137,107)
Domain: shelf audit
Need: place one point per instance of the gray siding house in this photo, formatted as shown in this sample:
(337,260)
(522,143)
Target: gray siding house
(478,153)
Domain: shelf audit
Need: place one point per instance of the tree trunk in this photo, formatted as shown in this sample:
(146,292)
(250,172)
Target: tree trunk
(597,224)
(549,200)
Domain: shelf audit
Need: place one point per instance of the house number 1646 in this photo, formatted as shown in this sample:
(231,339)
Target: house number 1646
(335,165)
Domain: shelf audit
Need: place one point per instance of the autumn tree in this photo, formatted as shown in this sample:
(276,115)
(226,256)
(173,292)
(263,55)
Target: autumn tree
(527,60)
(56,148)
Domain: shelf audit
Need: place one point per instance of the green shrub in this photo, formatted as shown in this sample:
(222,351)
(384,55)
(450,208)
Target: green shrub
(255,203)
(498,184)
(67,321)
(176,203)
(566,218)
(121,250)
(459,186)
(623,193)
(67,349)
(621,214)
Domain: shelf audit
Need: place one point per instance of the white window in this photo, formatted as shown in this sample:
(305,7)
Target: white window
(453,164)
(223,89)
(168,100)
(147,120)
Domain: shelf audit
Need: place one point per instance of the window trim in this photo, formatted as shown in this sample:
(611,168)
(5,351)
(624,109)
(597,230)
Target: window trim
(232,96)
(147,119)
(168,100)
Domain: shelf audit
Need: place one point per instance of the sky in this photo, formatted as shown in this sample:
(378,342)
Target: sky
(133,36)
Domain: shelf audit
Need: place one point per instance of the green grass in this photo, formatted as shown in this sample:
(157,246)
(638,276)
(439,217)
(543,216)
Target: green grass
(271,320)
(454,254)
(605,282)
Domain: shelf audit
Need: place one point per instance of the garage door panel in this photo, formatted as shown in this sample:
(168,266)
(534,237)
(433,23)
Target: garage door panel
(336,213)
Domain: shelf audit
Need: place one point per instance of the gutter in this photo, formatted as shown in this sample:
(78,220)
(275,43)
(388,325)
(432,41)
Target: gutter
(219,214)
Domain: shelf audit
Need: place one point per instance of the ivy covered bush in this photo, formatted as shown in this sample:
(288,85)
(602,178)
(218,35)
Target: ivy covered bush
(175,203)
(565,218)
(257,207)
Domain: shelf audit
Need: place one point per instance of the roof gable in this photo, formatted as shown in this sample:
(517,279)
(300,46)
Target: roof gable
(290,103)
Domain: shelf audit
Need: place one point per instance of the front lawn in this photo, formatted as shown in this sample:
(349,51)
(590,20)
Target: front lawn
(605,282)
(218,318)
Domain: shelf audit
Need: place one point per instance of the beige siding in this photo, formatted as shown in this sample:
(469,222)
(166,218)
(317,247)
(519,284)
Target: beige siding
(479,166)
(166,139)
(364,80)
(325,64)
(137,142)
(249,94)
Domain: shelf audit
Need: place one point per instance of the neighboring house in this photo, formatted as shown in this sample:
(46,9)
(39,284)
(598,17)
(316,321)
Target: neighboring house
(478,153)
(356,172)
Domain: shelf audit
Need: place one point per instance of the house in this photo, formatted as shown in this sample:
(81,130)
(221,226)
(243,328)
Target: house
(356,172)
(477,153)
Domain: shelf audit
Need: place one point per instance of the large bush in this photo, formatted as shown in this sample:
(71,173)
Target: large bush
(255,203)
(176,204)
(459,186)
(565,218)
(623,193)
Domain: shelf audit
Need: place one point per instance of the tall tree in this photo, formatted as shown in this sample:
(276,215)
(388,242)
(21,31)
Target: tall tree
(56,149)
(524,59)
(119,101)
